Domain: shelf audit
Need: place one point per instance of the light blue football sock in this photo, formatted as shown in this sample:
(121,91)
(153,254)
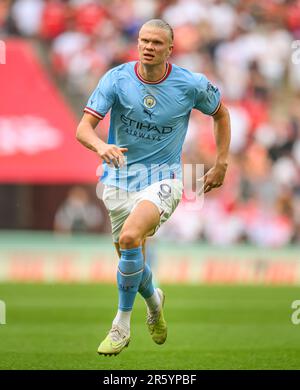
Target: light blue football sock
(146,288)
(129,276)
(148,291)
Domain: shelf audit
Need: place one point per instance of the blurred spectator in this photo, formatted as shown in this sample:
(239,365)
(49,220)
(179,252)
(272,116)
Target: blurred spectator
(54,18)
(78,214)
(7,24)
(27,16)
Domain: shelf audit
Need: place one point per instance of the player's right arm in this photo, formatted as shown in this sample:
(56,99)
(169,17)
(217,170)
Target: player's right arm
(87,136)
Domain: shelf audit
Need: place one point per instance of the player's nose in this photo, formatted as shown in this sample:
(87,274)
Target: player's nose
(149,46)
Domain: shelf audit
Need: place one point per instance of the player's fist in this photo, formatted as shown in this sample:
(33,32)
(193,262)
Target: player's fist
(214,177)
(112,154)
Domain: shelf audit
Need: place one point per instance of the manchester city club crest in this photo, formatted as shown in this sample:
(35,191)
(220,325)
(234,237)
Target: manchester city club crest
(149,101)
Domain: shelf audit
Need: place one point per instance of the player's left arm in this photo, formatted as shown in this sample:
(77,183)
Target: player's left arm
(215,176)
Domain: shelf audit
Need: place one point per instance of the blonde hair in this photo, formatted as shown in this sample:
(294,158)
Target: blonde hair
(161,24)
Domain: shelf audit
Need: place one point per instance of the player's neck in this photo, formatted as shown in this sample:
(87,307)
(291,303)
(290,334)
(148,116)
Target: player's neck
(152,73)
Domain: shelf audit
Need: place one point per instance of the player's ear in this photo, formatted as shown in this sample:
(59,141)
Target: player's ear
(170,49)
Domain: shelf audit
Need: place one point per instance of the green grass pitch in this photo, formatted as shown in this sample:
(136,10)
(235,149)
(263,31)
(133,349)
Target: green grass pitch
(210,327)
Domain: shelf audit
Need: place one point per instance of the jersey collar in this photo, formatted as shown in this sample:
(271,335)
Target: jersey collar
(167,72)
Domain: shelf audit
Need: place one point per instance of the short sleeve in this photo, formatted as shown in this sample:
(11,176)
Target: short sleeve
(103,97)
(207,96)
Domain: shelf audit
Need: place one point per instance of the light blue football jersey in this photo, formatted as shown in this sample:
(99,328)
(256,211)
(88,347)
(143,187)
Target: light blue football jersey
(150,119)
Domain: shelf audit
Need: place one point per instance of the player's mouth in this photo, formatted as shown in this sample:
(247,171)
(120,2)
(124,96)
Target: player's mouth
(148,56)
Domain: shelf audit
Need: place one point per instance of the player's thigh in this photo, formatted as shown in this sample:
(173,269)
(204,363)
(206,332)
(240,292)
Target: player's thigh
(166,195)
(143,219)
(119,204)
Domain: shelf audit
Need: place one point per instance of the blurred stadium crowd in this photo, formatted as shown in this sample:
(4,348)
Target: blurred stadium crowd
(244,47)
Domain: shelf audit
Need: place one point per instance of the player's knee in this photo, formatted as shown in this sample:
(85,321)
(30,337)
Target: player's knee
(129,239)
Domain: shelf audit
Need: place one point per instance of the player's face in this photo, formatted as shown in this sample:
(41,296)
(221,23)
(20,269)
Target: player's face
(154,45)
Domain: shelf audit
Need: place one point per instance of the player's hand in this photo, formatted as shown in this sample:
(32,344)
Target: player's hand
(214,177)
(112,154)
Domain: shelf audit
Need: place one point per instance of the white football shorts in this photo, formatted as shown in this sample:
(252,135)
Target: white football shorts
(165,194)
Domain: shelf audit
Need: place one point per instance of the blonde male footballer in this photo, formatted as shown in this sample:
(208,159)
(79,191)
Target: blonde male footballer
(150,101)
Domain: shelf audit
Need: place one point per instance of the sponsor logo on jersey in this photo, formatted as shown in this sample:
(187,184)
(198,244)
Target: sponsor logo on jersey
(149,127)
